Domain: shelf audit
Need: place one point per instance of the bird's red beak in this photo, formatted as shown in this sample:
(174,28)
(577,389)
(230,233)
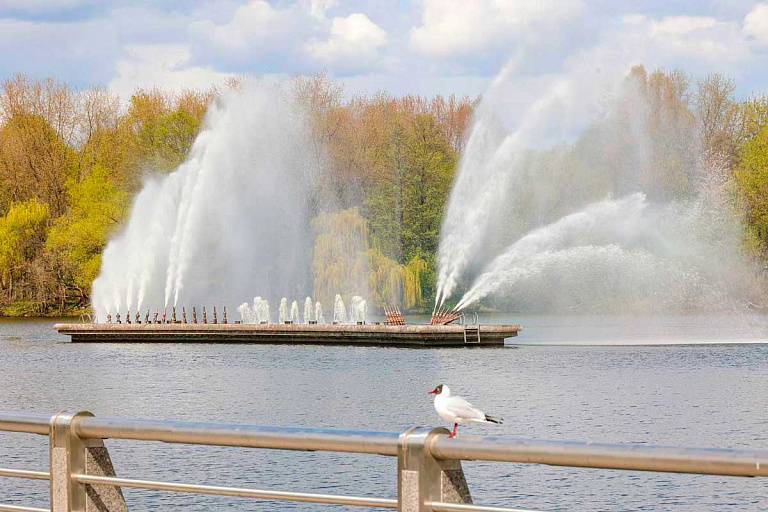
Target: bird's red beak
(432,393)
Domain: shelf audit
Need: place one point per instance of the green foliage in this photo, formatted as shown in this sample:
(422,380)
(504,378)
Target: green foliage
(163,136)
(752,182)
(431,164)
(339,257)
(79,237)
(22,235)
(71,160)
(22,232)
(393,284)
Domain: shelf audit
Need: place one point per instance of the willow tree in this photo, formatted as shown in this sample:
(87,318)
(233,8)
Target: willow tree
(339,262)
(393,284)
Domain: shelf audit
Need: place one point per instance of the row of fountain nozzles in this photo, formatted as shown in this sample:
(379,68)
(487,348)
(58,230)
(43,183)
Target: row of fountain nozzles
(156,319)
(444,316)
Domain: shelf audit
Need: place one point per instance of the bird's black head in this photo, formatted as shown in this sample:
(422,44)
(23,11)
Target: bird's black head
(437,390)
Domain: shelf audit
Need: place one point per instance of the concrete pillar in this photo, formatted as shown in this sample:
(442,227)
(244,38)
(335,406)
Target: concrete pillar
(422,479)
(71,455)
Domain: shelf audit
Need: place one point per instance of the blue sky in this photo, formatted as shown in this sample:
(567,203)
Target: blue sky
(425,46)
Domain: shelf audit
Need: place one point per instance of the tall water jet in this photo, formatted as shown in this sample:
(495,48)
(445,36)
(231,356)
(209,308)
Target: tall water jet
(246,315)
(339,310)
(295,312)
(264,314)
(282,312)
(358,309)
(307,310)
(522,200)
(256,310)
(225,219)
(319,313)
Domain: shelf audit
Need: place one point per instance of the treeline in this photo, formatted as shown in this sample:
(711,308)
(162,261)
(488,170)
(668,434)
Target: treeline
(71,161)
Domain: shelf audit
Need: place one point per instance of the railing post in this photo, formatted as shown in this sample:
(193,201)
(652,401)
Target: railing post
(67,458)
(70,456)
(423,479)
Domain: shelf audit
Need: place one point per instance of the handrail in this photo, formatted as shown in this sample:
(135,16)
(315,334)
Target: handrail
(25,422)
(16,508)
(25,473)
(636,457)
(240,492)
(231,434)
(414,449)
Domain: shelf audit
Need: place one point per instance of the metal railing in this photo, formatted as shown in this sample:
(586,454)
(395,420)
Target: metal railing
(430,477)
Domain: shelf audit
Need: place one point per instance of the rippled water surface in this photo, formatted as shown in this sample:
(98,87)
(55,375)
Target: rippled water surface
(698,381)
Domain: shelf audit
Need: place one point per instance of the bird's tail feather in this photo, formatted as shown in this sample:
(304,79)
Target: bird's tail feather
(493,419)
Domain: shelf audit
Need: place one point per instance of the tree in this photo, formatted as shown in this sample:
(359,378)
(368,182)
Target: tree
(752,115)
(431,165)
(716,110)
(752,182)
(78,238)
(22,235)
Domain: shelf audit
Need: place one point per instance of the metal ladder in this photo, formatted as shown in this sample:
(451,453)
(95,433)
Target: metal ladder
(471,331)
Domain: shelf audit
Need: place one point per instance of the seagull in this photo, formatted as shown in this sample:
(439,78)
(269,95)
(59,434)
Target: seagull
(457,410)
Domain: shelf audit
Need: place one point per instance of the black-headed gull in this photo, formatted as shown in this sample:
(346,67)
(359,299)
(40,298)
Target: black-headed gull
(457,410)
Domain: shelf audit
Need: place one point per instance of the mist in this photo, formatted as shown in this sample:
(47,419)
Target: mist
(598,195)
(231,222)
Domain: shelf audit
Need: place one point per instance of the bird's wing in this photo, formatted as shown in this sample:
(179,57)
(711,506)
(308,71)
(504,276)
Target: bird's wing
(463,409)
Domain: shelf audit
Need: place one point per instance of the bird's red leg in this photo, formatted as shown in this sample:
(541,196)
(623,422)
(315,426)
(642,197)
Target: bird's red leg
(453,434)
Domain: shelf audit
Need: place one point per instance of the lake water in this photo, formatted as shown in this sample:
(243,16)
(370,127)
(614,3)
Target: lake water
(698,381)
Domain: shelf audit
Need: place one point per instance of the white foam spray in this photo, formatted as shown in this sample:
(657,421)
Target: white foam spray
(234,214)
(339,310)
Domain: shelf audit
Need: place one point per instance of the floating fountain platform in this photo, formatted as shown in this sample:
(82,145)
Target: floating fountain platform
(409,335)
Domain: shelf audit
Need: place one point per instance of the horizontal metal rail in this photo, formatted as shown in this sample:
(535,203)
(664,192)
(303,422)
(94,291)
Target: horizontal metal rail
(250,436)
(25,422)
(239,492)
(16,508)
(24,473)
(635,457)
(438,506)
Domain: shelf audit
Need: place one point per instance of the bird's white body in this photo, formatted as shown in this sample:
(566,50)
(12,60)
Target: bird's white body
(455,409)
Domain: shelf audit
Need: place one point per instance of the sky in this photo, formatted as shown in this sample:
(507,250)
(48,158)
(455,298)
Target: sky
(424,46)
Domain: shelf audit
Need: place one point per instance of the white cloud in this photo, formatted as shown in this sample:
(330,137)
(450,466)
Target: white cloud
(289,38)
(756,23)
(354,43)
(148,66)
(681,25)
(317,8)
(689,42)
(451,27)
(257,35)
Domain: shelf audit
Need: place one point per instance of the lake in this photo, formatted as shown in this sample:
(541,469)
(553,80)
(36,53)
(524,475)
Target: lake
(686,380)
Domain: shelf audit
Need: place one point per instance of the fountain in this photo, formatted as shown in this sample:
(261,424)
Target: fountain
(225,218)
(606,223)
(339,310)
